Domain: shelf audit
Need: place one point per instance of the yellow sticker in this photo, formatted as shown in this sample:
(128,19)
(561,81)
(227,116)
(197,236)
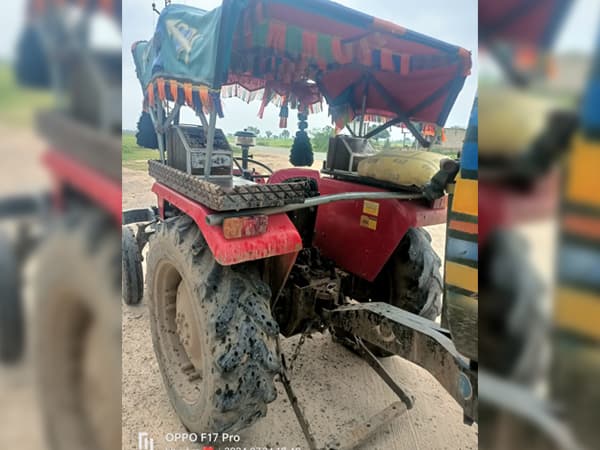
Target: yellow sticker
(370,208)
(368,222)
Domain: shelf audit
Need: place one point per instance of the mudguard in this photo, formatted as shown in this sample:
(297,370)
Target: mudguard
(97,187)
(281,237)
(361,235)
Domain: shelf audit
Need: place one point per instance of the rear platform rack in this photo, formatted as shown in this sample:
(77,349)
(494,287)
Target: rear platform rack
(218,198)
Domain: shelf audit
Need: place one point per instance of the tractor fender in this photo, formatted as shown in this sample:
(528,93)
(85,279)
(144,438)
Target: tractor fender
(361,235)
(281,237)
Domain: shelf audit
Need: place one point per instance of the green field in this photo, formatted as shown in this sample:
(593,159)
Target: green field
(134,156)
(19,105)
(275,142)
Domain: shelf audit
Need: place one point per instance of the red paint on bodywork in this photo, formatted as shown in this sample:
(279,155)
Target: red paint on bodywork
(280,238)
(358,249)
(502,205)
(355,248)
(102,190)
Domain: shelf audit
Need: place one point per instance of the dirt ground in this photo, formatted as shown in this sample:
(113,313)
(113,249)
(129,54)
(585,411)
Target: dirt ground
(336,389)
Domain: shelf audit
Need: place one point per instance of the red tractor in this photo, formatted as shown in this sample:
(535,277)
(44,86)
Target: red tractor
(233,263)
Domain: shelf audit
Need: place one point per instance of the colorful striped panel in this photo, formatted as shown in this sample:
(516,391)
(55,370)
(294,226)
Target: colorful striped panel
(586,227)
(577,306)
(577,311)
(462,257)
(462,251)
(463,277)
(583,184)
(591,105)
(461,283)
(332,51)
(579,266)
(465,197)
(463,227)
(199,98)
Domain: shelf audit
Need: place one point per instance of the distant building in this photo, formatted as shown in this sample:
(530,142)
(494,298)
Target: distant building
(455,137)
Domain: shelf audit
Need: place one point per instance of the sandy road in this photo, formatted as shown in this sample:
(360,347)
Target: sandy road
(337,389)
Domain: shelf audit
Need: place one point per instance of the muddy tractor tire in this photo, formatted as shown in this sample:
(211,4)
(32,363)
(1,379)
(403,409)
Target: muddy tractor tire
(414,271)
(132,275)
(410,280)
(11,308)
(77,331)
(212,330)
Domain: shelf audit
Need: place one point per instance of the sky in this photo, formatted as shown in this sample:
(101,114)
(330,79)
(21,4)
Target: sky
(451,21)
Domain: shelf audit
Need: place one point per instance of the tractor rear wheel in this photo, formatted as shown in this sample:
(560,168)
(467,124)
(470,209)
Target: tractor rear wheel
(413,274)
(11,309)
(132,276)
(212,331)
(411,280)
(77,332)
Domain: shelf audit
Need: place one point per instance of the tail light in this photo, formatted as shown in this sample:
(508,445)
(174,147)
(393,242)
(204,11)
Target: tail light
(241,227)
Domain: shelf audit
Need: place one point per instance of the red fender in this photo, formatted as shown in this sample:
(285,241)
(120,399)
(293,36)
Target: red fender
(68,171)
(361,236)
(281,237)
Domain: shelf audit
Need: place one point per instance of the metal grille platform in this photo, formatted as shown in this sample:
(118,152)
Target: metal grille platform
(218,198)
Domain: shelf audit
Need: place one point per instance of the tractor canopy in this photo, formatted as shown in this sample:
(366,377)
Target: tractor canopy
(295,54)
(524,22)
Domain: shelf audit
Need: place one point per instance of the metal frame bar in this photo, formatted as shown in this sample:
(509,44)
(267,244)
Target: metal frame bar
(359,435)
(253,161)
(413,130)
(156,114)
(218,218)
(415,339)
(159,134)
(210,144)
(511,398)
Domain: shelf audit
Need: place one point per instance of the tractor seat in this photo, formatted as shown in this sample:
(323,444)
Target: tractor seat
(413,168)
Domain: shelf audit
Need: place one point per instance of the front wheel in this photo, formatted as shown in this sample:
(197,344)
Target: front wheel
(11,310)
(77,332)
(212,330)
(132,275)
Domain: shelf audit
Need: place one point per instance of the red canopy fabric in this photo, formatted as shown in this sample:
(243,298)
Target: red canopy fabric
(301,49)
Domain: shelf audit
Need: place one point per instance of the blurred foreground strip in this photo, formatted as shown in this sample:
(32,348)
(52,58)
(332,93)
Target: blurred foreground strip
(539,368)
(60,248)
(576,339)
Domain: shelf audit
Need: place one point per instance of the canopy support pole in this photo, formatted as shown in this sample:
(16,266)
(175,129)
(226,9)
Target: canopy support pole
(210,141)
(159,133)
(171,117)
(202,118)
(362,112)
(418,136)
(402,117)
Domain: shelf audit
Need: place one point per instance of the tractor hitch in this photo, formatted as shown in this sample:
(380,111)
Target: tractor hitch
(407,335)
(415,339)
